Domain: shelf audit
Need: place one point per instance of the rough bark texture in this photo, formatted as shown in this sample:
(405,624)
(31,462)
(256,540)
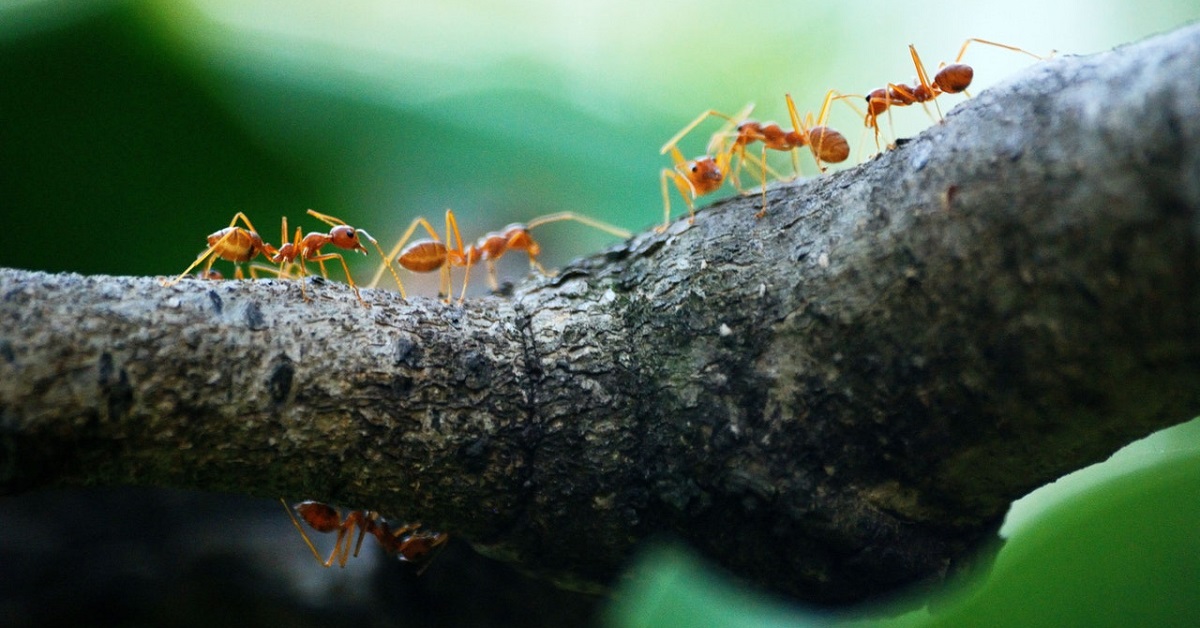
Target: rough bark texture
(835,400)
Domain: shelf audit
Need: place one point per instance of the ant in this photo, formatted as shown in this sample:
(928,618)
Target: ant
(430,254)
(950,79)
(308,249)
(702,175)
(408,542)
(516,237)
(234,244)
(426,255)
(826,144)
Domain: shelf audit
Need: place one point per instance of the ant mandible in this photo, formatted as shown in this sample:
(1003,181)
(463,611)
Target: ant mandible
(430,254)
(953,78)
(703,175)
(308,248)
(234,244)
(408,542)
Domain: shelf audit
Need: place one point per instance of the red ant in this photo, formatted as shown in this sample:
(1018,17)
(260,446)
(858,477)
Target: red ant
(407,542)
(427,255)
(702,175)
(950,79)
(234,244)
(430,254)
(825,143)
(516,237)
(308,248)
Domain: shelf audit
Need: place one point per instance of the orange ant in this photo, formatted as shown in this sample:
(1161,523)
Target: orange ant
(430,254)
(950,79)
(702,175)
(516,237)
(234,244)
(426,255)
(308,248)
(826,144)
(408,542)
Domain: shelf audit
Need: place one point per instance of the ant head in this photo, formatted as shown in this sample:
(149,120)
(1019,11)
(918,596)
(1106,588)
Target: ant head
(707,173)
(346,237)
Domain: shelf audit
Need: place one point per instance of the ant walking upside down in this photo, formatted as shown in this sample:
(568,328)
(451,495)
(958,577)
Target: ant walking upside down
(407,542)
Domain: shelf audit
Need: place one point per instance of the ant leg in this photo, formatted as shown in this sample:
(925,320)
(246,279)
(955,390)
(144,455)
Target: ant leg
(341,547)
(847,98)
(386,260)
(764,171)
(304,535)
(741,115)
(418,222)
(320,259)
(762,179)
(212,249)
(906,97)
(462,296)
(367,520)
(447,280)
(809,127)
(663,176)
(336,222)
(738,151)
(263,268)
(209,254)
(685,190)
(580,218)
(326,218)
(246,221)
(728,130)
(923,78)
(962,51)
(828,144)
(802,128)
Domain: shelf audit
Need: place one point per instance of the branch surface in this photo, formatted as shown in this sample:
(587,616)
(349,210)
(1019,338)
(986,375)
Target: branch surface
(835,400)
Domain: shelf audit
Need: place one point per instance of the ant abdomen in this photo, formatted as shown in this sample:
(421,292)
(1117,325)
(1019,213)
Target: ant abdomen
(954,78)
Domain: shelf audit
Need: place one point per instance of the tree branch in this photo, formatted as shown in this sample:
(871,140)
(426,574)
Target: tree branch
(835,400)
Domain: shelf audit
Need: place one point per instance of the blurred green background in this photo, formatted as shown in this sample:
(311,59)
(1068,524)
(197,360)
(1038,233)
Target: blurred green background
(131,130)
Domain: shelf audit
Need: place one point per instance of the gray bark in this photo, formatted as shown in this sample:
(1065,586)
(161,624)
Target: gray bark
(835,400)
